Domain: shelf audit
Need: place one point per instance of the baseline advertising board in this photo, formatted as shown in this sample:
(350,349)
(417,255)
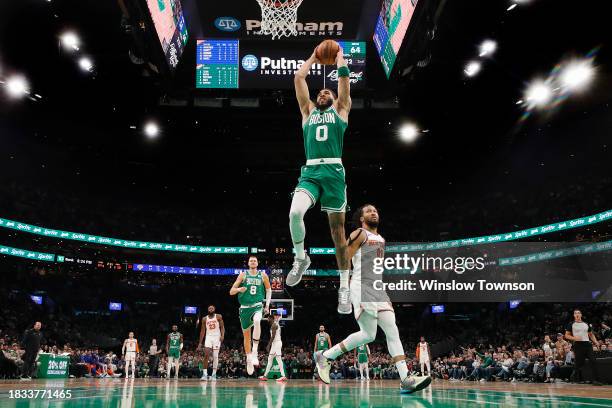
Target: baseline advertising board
(245,64)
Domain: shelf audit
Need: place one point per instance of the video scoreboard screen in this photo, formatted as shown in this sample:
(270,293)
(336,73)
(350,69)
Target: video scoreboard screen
(169,21)
(391,28)
(252,64)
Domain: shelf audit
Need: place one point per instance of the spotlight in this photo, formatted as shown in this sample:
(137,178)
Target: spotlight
(85,64)
(487,47)
(472,68)
(17,86)
(539,93)
(576,75)
(408,132)
(151,130)
(70,41)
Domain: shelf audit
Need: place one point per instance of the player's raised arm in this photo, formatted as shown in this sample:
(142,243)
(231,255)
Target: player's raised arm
(354,242)
(301,88)
(235,289)
(344,86)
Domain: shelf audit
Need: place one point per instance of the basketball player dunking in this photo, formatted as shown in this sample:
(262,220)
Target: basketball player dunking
(322,178)
(128,351)
(214,330)
(365,244)
(250,287)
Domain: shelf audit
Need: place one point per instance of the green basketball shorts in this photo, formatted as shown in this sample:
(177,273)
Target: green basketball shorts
(246,315)
(324,183)
(174,353)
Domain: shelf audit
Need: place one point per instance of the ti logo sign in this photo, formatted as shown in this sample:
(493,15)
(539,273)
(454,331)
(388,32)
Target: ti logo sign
(227,24)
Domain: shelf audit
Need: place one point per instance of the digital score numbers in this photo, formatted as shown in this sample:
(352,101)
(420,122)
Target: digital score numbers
(217,64)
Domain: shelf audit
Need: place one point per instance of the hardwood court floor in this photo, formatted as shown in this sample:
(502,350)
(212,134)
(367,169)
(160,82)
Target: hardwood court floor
(250,393)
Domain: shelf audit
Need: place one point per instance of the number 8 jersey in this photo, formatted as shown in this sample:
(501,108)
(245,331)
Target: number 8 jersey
(324,134)
(255,289)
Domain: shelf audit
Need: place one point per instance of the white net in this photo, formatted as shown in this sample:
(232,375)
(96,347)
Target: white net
(278,17)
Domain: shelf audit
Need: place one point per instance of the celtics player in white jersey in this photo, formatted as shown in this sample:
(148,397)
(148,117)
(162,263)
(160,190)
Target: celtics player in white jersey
(322,178)
(174,345)
(213,333)
(372,309)
(250,287)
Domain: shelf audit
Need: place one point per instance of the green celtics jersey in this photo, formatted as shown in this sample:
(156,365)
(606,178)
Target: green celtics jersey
(324,134)
(255,289)
(362,354)
(175,341)
(322,343)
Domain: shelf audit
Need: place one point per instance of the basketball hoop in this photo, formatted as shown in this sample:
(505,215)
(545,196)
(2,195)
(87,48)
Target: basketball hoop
(278,17)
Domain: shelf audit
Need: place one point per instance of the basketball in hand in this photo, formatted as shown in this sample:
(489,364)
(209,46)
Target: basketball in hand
(326,52)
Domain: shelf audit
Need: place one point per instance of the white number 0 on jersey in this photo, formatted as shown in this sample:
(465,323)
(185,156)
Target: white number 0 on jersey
(321,133)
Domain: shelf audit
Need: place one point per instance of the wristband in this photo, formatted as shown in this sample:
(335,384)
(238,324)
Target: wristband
(344,71)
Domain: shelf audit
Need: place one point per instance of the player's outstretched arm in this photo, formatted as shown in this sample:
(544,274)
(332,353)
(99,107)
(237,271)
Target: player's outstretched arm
(354,242)
(235,289)
(301,88)
(344,86)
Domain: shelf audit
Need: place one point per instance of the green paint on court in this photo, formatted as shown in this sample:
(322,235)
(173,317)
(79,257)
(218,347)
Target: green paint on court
(253,394)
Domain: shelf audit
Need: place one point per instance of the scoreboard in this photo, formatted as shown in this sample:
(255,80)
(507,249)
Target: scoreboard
(252,64)
(217,64)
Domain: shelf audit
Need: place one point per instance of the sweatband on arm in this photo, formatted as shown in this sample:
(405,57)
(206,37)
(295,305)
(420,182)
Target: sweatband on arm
(344,71)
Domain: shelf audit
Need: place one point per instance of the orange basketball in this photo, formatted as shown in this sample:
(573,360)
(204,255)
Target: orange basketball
(326,52)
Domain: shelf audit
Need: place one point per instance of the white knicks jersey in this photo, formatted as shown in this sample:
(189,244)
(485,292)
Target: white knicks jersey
(277,337)
(423,352)
(212,326)
(131,345)
(374,244)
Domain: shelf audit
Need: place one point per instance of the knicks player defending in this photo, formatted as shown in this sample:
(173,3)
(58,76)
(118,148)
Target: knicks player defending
(128,351)
(364,245)
(214,330)
(250,288)
(174,345)
(322,178)
(275,347)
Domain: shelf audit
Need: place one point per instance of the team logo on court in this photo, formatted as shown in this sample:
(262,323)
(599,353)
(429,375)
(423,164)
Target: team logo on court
(250,62)
(227,24)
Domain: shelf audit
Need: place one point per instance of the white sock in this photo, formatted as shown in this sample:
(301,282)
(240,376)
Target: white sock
(344,279)
(299,205)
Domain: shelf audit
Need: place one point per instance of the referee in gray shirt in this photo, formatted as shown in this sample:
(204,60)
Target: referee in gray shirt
(580,333)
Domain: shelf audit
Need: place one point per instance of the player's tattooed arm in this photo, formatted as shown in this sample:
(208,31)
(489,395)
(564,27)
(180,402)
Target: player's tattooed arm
(301,88)
(272,335)
(344,89)
(235,289)
(355,240)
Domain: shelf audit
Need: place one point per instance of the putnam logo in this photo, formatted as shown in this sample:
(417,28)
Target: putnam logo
(227,24)
(322,28)
(250,62)
(284,66)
